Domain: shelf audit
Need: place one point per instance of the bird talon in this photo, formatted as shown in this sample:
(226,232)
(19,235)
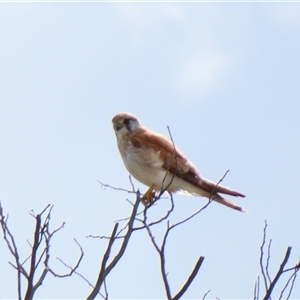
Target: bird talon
(149,196)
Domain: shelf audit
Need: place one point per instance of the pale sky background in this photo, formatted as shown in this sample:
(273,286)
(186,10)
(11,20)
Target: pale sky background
(224,76)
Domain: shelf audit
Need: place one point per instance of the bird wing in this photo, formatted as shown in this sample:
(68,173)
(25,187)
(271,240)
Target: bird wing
(175,162)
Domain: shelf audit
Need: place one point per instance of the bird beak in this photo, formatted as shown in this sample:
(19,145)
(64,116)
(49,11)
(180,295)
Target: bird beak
(119,125)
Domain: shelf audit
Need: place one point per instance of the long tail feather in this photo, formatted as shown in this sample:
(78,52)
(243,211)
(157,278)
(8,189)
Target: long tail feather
(213,188)
(223,201)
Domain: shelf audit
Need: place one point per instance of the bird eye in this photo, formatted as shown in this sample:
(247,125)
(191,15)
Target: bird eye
(126,121)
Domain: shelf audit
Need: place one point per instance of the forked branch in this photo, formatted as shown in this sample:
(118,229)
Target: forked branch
(271,284)
(40,251)
(106,269)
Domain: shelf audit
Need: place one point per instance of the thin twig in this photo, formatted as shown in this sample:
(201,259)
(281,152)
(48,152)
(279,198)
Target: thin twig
(161,252)
(190,279)
(296,267)
(102,272)
(204,296)
(262,257)
(161,249)
(292,286)
(268,260)
(105,289)
(292,278)
(39,234)
(73,269)
(42,237)
(167,173)
(105,270)
(169,211)
(131,182)
(217,184)
(11,244)
(256,291)
(105,185)
(279,273)
(191,216)
(79,274)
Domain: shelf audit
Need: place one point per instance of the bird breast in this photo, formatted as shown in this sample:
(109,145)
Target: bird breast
(144,164)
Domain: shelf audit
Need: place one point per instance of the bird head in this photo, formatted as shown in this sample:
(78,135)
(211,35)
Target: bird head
(124,123)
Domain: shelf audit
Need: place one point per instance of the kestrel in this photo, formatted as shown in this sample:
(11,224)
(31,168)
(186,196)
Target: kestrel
(153,159)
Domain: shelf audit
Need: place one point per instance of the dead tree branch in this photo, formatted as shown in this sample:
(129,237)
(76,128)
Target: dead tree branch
(262,257)
(270,284)
(104,269)
(161,252)
(105,185)
(11,244)
(256,289)
(161,249)
(40,251)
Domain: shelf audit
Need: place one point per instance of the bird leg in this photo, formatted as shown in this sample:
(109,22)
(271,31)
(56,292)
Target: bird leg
(149,196)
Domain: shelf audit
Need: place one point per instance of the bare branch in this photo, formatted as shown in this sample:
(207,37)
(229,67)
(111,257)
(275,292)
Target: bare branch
(132,185)
(79,274)
(268,260)
(40,250)
(105,185)
(292,278)
(190,279)
(161,252)
(38,236)
(295,268)
(262,257)
(270,284)
(204,296)
(169,211)
(105,270)
(215,187)
(191,216)
(161,249)
(256,289)
(176,167)
(103,264)
(203,207)
(163,189)
(105,289)
(11,244)
(103,237)
(72,269)
(279,273)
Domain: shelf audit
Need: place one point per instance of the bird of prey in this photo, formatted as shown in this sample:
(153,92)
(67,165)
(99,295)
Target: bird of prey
(153,159)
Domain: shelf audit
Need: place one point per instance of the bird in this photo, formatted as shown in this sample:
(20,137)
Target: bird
(155,161)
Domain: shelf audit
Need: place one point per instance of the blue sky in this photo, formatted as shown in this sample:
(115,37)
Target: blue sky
(223,76)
